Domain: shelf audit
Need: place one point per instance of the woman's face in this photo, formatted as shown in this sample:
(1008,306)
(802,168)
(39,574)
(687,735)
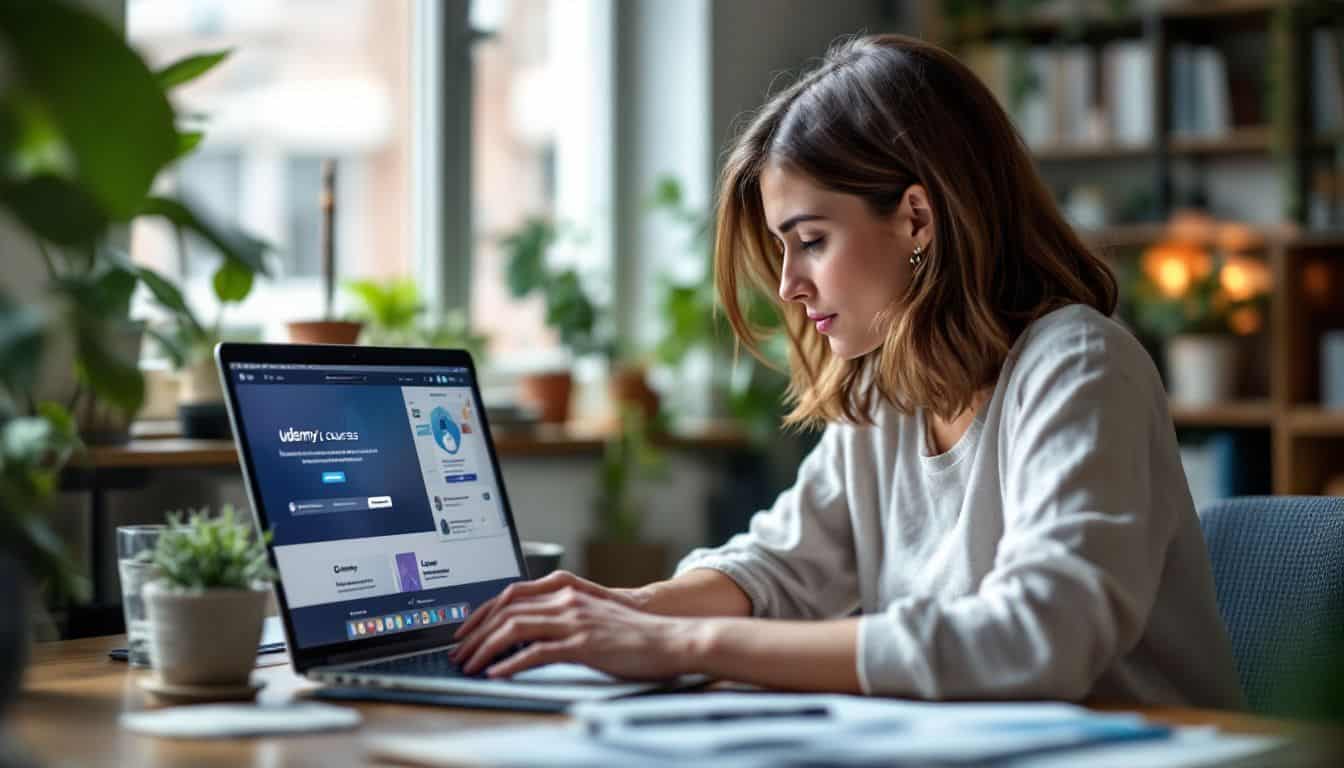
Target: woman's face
(841,261)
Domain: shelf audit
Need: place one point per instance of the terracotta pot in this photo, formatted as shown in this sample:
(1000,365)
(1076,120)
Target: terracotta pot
(206,637)
(323,331)
(625,563)
(549,393)
(629,386)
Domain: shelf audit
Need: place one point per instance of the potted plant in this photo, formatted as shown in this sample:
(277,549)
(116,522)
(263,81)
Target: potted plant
(581,323)
(33,450)
(206,608)
(189,343)
(83,145)
(394,316)
(1199,303)
(748,389)
(327,329)
(616,555)
(82,140)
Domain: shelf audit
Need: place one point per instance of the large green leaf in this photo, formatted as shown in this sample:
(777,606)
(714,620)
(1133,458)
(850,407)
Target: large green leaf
(21,330)
(102,296)
(570,312)
(390,306)
(33,139)
(114,117)
(114,379)
(232,242)
(55,209)
(187,142)
(169,296)
(189,68)
(232,281)
(526,269)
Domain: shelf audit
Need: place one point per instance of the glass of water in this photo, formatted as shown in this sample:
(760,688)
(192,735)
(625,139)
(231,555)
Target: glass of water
(134,545)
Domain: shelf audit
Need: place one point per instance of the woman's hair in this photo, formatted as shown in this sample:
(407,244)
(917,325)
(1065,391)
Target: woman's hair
(879,114)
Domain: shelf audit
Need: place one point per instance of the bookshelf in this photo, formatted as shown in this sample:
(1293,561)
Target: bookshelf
(1280,140)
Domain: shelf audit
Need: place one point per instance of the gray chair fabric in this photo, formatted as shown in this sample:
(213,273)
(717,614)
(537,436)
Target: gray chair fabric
(1278,568)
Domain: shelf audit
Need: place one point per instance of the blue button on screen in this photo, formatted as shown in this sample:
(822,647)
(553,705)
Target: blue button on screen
(333,477)
(471,478)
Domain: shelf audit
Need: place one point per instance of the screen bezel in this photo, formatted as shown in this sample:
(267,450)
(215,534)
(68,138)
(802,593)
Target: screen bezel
(350,651)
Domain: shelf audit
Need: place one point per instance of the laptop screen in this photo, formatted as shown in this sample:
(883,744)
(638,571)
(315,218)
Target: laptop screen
(380,493)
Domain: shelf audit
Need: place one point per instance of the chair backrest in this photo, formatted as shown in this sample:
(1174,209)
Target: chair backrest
(1278,568)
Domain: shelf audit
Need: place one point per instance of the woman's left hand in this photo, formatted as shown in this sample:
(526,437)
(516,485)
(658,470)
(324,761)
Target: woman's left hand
(574,626)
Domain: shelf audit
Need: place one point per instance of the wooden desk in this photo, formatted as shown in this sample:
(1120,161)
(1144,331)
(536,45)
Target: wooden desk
(73,694)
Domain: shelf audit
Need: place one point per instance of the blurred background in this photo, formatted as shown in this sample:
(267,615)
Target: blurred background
(531,180)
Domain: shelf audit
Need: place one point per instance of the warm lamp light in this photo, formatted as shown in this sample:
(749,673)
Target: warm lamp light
(1172,266)
(1173,277)
(1243,278)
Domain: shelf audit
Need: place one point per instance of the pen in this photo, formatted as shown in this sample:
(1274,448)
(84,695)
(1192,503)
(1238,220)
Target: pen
(639,721)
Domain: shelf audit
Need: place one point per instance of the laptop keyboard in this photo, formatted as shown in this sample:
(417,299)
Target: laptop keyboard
(435,664)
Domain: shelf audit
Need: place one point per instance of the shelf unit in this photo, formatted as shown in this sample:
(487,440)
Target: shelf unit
(1162,27)
(1306,441)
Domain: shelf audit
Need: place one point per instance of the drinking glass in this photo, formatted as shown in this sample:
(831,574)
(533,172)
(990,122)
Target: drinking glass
(134,543)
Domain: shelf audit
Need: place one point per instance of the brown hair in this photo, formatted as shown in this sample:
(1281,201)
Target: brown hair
(879,114)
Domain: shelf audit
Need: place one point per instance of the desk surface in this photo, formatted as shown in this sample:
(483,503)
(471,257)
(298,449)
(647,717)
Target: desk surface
(73,693)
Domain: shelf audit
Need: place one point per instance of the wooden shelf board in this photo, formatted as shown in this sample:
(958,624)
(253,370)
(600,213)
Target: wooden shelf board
(1053,153)
(1238,141)
(1316,421)
(1123,235)
(1213,9)
(1097,22)
(1246,413)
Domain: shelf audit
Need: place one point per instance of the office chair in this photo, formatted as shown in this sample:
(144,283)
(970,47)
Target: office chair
(1278,569)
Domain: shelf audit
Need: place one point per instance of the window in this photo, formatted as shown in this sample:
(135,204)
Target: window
(540,146)
(368,83)
(307,80)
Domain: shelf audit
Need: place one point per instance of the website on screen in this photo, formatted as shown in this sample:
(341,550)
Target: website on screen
(380,494)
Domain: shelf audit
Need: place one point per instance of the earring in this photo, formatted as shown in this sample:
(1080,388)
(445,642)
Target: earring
(917,256)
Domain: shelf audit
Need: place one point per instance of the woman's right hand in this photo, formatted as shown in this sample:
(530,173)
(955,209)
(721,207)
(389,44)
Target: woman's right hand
(530,590)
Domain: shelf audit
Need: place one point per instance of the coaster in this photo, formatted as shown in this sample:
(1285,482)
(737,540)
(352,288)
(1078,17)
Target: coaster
(217,721)
(176,692)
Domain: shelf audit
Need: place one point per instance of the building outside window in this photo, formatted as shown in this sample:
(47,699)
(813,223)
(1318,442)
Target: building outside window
(313,79)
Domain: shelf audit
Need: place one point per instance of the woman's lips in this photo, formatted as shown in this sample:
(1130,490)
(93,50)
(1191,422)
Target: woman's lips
(824,323)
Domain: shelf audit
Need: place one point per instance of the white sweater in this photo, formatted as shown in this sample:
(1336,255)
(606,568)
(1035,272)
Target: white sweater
(1053,552)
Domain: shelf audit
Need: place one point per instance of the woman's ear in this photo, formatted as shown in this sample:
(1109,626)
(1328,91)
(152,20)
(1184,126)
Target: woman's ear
(917,211)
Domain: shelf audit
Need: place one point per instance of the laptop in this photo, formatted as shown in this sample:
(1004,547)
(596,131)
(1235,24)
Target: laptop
(374,471)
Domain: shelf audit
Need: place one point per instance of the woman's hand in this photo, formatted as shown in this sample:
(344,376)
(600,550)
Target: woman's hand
(566,618)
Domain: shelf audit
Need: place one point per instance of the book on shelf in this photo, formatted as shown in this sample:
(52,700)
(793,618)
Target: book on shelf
(1327,92)
(1200,103)
(1076,96)
(1127,72)
(1076,115)
(1035,115)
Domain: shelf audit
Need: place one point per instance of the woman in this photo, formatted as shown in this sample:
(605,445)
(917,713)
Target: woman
(998,487)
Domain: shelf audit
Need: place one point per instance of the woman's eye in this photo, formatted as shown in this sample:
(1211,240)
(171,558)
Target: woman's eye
(812,245)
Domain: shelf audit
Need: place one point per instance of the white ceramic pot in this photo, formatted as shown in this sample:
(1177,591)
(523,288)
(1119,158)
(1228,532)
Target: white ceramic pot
(1202,369)
(206,637)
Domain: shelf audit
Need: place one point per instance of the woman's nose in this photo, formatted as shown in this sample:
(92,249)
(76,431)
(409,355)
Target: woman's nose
(792,286)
